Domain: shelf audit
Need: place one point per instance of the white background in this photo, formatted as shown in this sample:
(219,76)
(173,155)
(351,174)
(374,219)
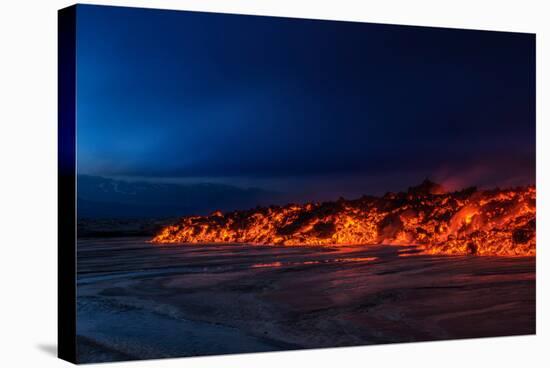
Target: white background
(28,169)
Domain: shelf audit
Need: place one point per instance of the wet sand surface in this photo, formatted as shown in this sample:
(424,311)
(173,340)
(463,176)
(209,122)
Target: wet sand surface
(139,301)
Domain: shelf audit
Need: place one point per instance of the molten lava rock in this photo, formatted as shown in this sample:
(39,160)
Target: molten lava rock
(490,222)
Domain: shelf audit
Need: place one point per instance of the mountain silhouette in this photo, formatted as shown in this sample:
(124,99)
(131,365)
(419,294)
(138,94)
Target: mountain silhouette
(100,197)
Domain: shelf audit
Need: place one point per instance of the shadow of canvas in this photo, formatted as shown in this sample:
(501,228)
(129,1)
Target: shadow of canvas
(50,349)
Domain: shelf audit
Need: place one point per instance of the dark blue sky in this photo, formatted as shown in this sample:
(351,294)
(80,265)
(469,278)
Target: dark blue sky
(318,107)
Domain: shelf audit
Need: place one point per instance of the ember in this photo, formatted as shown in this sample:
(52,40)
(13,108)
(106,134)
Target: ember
(490,222)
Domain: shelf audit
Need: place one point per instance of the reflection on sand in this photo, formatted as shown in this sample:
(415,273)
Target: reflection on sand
(267,265)
(314,262)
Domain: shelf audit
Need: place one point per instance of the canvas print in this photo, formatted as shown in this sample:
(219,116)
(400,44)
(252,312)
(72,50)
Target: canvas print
(251,184)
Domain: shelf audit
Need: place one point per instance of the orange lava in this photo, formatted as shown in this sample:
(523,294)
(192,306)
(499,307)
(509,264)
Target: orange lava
(490,222)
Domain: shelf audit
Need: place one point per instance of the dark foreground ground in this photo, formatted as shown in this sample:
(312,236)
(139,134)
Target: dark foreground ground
(138,301)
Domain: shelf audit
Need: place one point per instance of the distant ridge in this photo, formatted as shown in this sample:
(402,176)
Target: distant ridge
(100,197)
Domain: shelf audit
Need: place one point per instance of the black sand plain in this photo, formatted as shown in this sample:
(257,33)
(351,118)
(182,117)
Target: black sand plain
(137,300)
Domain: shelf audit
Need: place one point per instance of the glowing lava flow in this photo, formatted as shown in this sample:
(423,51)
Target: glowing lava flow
(491,222)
